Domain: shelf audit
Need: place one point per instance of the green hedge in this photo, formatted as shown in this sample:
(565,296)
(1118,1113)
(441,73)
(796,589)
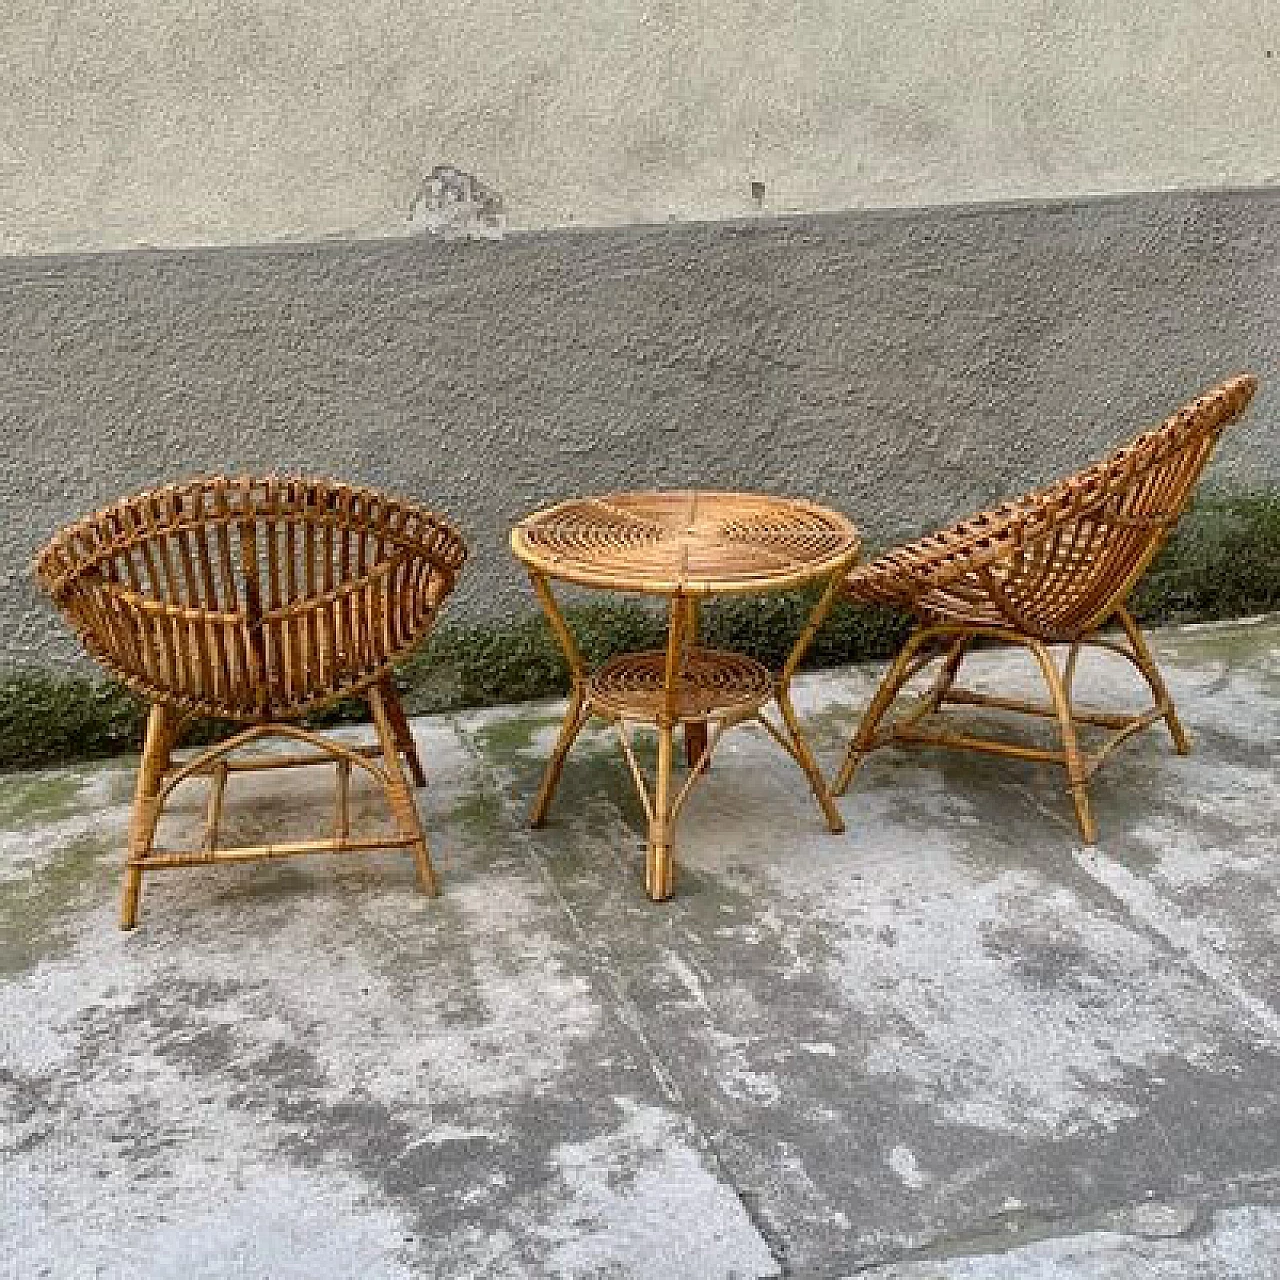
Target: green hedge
(1223,561)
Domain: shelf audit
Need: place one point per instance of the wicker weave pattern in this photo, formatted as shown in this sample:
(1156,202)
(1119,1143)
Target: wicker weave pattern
(692,543)
(712,683)
(252,599)
(1056,562)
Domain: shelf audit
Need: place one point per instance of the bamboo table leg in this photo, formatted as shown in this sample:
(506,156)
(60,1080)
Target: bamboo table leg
(574,718)
(659,864)
(659,876)
(695,731)
(796,744)
(695,742)
(579,711)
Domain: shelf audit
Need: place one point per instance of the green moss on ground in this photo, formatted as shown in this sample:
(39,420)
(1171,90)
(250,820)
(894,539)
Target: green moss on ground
(33,908)
(1223,561)
(37,797)
(480,813)
(510,736)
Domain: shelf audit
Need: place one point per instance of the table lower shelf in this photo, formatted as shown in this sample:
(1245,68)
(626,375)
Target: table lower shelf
(713,683)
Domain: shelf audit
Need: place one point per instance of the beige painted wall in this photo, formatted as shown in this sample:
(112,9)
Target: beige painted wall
(175,122)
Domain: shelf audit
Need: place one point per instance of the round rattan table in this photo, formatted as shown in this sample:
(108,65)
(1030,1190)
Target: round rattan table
(685,546)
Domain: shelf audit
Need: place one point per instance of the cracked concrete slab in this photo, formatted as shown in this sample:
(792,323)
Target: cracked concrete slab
(951,1043)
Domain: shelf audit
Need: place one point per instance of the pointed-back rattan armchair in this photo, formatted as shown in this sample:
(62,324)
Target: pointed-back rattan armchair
(257,600)
(1053,567)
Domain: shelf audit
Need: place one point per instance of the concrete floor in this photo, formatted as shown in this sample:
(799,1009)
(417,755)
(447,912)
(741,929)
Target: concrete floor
(951,1043)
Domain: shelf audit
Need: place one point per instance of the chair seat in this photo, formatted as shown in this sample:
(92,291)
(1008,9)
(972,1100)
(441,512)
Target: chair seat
(256,597)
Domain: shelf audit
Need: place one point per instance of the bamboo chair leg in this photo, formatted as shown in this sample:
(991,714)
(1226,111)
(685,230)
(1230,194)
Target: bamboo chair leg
(804,758)
(884,697)
(1069,667)
(659,872)
(574,718)
(1070,745)
(1146,663)
(950,669)
(399,796)
(146,807)
(404,735)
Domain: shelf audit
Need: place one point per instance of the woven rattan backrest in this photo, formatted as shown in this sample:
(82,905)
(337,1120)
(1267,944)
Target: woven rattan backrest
(1094,534)
(252,598)
(1059,561)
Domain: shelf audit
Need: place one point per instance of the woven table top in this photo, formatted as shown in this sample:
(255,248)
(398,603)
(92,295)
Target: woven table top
(689,543)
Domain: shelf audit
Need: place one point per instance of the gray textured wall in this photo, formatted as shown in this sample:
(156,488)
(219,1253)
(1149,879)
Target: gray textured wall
(131,122)
(905,367)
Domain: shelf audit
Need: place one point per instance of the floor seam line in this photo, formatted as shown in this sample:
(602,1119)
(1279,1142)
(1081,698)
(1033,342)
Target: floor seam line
(623,1007)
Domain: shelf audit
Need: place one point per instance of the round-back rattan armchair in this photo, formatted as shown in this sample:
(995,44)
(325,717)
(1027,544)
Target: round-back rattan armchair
(1054,566)
(257,600)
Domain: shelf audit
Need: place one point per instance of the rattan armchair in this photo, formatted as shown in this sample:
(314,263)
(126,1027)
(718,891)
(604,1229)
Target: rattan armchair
(257,600)
(1053,567)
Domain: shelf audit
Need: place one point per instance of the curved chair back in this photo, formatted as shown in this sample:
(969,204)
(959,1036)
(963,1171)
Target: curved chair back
(1058,562)
(255,598)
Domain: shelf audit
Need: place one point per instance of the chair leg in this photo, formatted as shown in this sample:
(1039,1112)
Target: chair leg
(399,797)
(146,807)
(1069,667)
(947,675)
(884,697)
(403,734)
(1076,777)
(1151,673)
